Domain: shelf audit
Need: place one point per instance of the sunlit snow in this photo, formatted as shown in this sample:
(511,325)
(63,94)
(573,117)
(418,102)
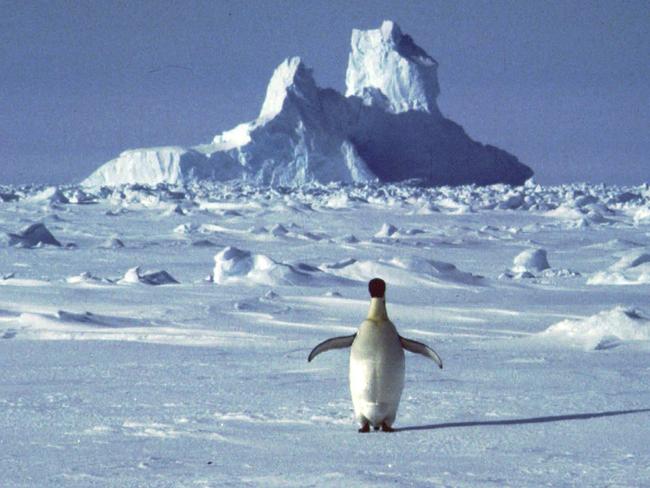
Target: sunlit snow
(203,380)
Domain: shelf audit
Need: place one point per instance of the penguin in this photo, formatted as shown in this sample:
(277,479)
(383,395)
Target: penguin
(376,363)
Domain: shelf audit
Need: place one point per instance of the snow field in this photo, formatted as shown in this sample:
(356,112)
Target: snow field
(205,382)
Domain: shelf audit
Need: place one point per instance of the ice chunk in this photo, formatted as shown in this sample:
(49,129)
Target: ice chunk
(34,235)
(112,243)
(387,230)
(87,278)
(631,260)
(50,195)
(404,271)
(135,275)
(531,260)
(642,215)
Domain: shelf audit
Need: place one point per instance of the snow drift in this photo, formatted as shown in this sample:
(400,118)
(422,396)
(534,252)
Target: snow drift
(87,326)
(387,127)
(233,265)
(604,330)
(404,271)
(633,268)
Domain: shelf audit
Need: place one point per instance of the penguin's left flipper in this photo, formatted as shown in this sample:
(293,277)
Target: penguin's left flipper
(419,348)
(333,343)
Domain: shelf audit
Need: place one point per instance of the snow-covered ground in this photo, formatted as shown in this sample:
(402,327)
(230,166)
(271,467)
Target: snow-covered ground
(160,337)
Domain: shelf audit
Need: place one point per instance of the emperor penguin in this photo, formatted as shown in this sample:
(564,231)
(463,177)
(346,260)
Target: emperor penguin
(376,363)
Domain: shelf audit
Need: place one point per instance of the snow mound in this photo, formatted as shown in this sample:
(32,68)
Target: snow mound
(633,268)
(439,270)
(349,239)
(604,330)
(511,201)
(631,260)
(387,230)
(87,278)
(269,303)
(531,260)
(186,229)
(112,243)
(204,243)
(233,265)
(51,195)
(642,215)
(278,230)
(390,231)
(565,212)
(582,211)
(155,278)
(35,235)
(175,210)
(403,271)
(615,245)
(80,197)
(387,127)
(617,278)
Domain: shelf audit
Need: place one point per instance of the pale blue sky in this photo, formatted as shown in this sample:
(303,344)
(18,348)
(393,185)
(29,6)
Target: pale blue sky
(563,85)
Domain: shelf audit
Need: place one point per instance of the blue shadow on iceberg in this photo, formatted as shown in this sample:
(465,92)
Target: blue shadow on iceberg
(533,420)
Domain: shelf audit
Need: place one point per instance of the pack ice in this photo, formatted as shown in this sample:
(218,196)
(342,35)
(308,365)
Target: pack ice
(387,127)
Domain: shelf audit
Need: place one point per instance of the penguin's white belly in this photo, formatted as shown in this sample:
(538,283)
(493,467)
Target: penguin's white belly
(376,373)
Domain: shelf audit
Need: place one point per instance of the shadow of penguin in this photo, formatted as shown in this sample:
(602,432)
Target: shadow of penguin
(532,420)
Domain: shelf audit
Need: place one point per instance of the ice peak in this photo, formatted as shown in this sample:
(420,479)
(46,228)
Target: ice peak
(290,76)
(390,31)
(387,60)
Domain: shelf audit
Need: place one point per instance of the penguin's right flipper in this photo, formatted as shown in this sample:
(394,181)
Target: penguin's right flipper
(419,348)
(333,343)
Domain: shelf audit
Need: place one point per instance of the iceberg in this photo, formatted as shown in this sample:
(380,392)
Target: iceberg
(387,127)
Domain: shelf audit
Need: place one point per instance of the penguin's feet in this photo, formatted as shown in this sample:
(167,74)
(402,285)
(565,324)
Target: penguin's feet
(386,428)
(365,428)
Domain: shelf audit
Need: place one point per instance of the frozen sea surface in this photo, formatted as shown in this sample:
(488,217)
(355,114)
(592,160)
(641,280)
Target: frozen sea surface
(192,370)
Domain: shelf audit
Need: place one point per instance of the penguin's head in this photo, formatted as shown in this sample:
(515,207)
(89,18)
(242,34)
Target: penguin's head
(377,288)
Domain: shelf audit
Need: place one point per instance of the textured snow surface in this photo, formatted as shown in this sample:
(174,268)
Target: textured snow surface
(388,127)
(204,381)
